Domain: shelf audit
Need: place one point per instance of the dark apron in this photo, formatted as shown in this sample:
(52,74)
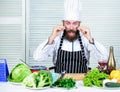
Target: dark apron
(71,62)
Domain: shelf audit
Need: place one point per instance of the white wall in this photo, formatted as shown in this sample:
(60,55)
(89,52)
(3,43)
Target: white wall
(12,31)
(26,23)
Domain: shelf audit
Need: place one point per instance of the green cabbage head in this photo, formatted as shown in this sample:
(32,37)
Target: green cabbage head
(19,72)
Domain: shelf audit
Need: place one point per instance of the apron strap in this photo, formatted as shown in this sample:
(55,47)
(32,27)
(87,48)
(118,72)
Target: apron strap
(82,47)
(61,41)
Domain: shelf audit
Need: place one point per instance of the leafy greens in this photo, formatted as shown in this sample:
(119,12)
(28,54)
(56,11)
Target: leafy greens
(65,83)
(95,77)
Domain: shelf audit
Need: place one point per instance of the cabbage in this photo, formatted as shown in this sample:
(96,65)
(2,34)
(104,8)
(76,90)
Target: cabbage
(19,72)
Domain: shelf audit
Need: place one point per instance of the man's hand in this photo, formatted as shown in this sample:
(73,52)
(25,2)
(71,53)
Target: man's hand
(86,32)
(56,31)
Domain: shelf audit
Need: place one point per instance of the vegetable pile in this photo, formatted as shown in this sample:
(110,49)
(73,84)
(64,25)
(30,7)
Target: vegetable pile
(114,80)
(38,79)
(19,72)
(65,83)
(95,77)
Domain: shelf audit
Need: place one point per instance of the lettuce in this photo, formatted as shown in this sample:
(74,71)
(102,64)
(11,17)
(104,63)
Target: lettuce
(95,77)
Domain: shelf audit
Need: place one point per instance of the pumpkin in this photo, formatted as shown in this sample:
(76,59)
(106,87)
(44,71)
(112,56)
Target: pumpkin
(115,74)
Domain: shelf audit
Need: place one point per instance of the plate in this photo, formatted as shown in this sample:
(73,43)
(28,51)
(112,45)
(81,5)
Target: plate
(15,83)
(42,88)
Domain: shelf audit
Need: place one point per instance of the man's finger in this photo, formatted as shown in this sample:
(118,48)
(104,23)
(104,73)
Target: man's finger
(82,30)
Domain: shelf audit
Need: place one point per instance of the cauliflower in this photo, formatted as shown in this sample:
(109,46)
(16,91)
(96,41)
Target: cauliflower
(30,81)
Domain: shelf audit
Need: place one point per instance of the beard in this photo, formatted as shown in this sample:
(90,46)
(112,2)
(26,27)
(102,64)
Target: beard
(69,37)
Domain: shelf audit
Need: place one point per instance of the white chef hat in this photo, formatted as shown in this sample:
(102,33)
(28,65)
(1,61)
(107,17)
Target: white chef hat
(72,10)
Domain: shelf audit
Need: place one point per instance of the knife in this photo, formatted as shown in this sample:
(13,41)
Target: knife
(23,62)
(62,75)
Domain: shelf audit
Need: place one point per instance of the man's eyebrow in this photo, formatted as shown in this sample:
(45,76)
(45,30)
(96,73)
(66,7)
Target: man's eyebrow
(66,21)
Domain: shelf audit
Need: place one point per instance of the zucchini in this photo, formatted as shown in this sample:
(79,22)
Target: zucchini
(112,84)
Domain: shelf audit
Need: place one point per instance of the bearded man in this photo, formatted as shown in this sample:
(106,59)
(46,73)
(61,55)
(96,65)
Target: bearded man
(71,43)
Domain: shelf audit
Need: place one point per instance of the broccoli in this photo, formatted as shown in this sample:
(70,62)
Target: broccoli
(38,79)
(44,78)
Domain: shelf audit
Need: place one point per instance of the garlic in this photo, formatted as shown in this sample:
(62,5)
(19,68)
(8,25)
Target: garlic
(114,80)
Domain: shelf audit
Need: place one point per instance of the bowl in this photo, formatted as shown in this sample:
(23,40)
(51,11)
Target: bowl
(37,68)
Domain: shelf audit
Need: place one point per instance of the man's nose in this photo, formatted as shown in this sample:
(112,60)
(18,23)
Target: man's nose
(71,26)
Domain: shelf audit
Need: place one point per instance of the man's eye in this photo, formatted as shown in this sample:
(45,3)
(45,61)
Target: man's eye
(67,23)
(75,23)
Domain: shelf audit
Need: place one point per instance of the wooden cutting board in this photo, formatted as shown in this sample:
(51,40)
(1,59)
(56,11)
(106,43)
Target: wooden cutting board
(76,76)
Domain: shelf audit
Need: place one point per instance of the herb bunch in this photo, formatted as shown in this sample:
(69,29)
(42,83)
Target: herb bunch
(65,83)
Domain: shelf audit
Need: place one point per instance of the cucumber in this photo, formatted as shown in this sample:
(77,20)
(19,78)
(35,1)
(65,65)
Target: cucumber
(112,84)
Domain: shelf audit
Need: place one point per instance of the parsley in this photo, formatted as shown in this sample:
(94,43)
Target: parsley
(65,83)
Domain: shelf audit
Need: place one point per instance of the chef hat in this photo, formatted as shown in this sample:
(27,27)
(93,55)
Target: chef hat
(72,10)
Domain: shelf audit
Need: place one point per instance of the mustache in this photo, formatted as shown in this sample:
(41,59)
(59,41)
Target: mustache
(74,31)
(68,31)
(71,31)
